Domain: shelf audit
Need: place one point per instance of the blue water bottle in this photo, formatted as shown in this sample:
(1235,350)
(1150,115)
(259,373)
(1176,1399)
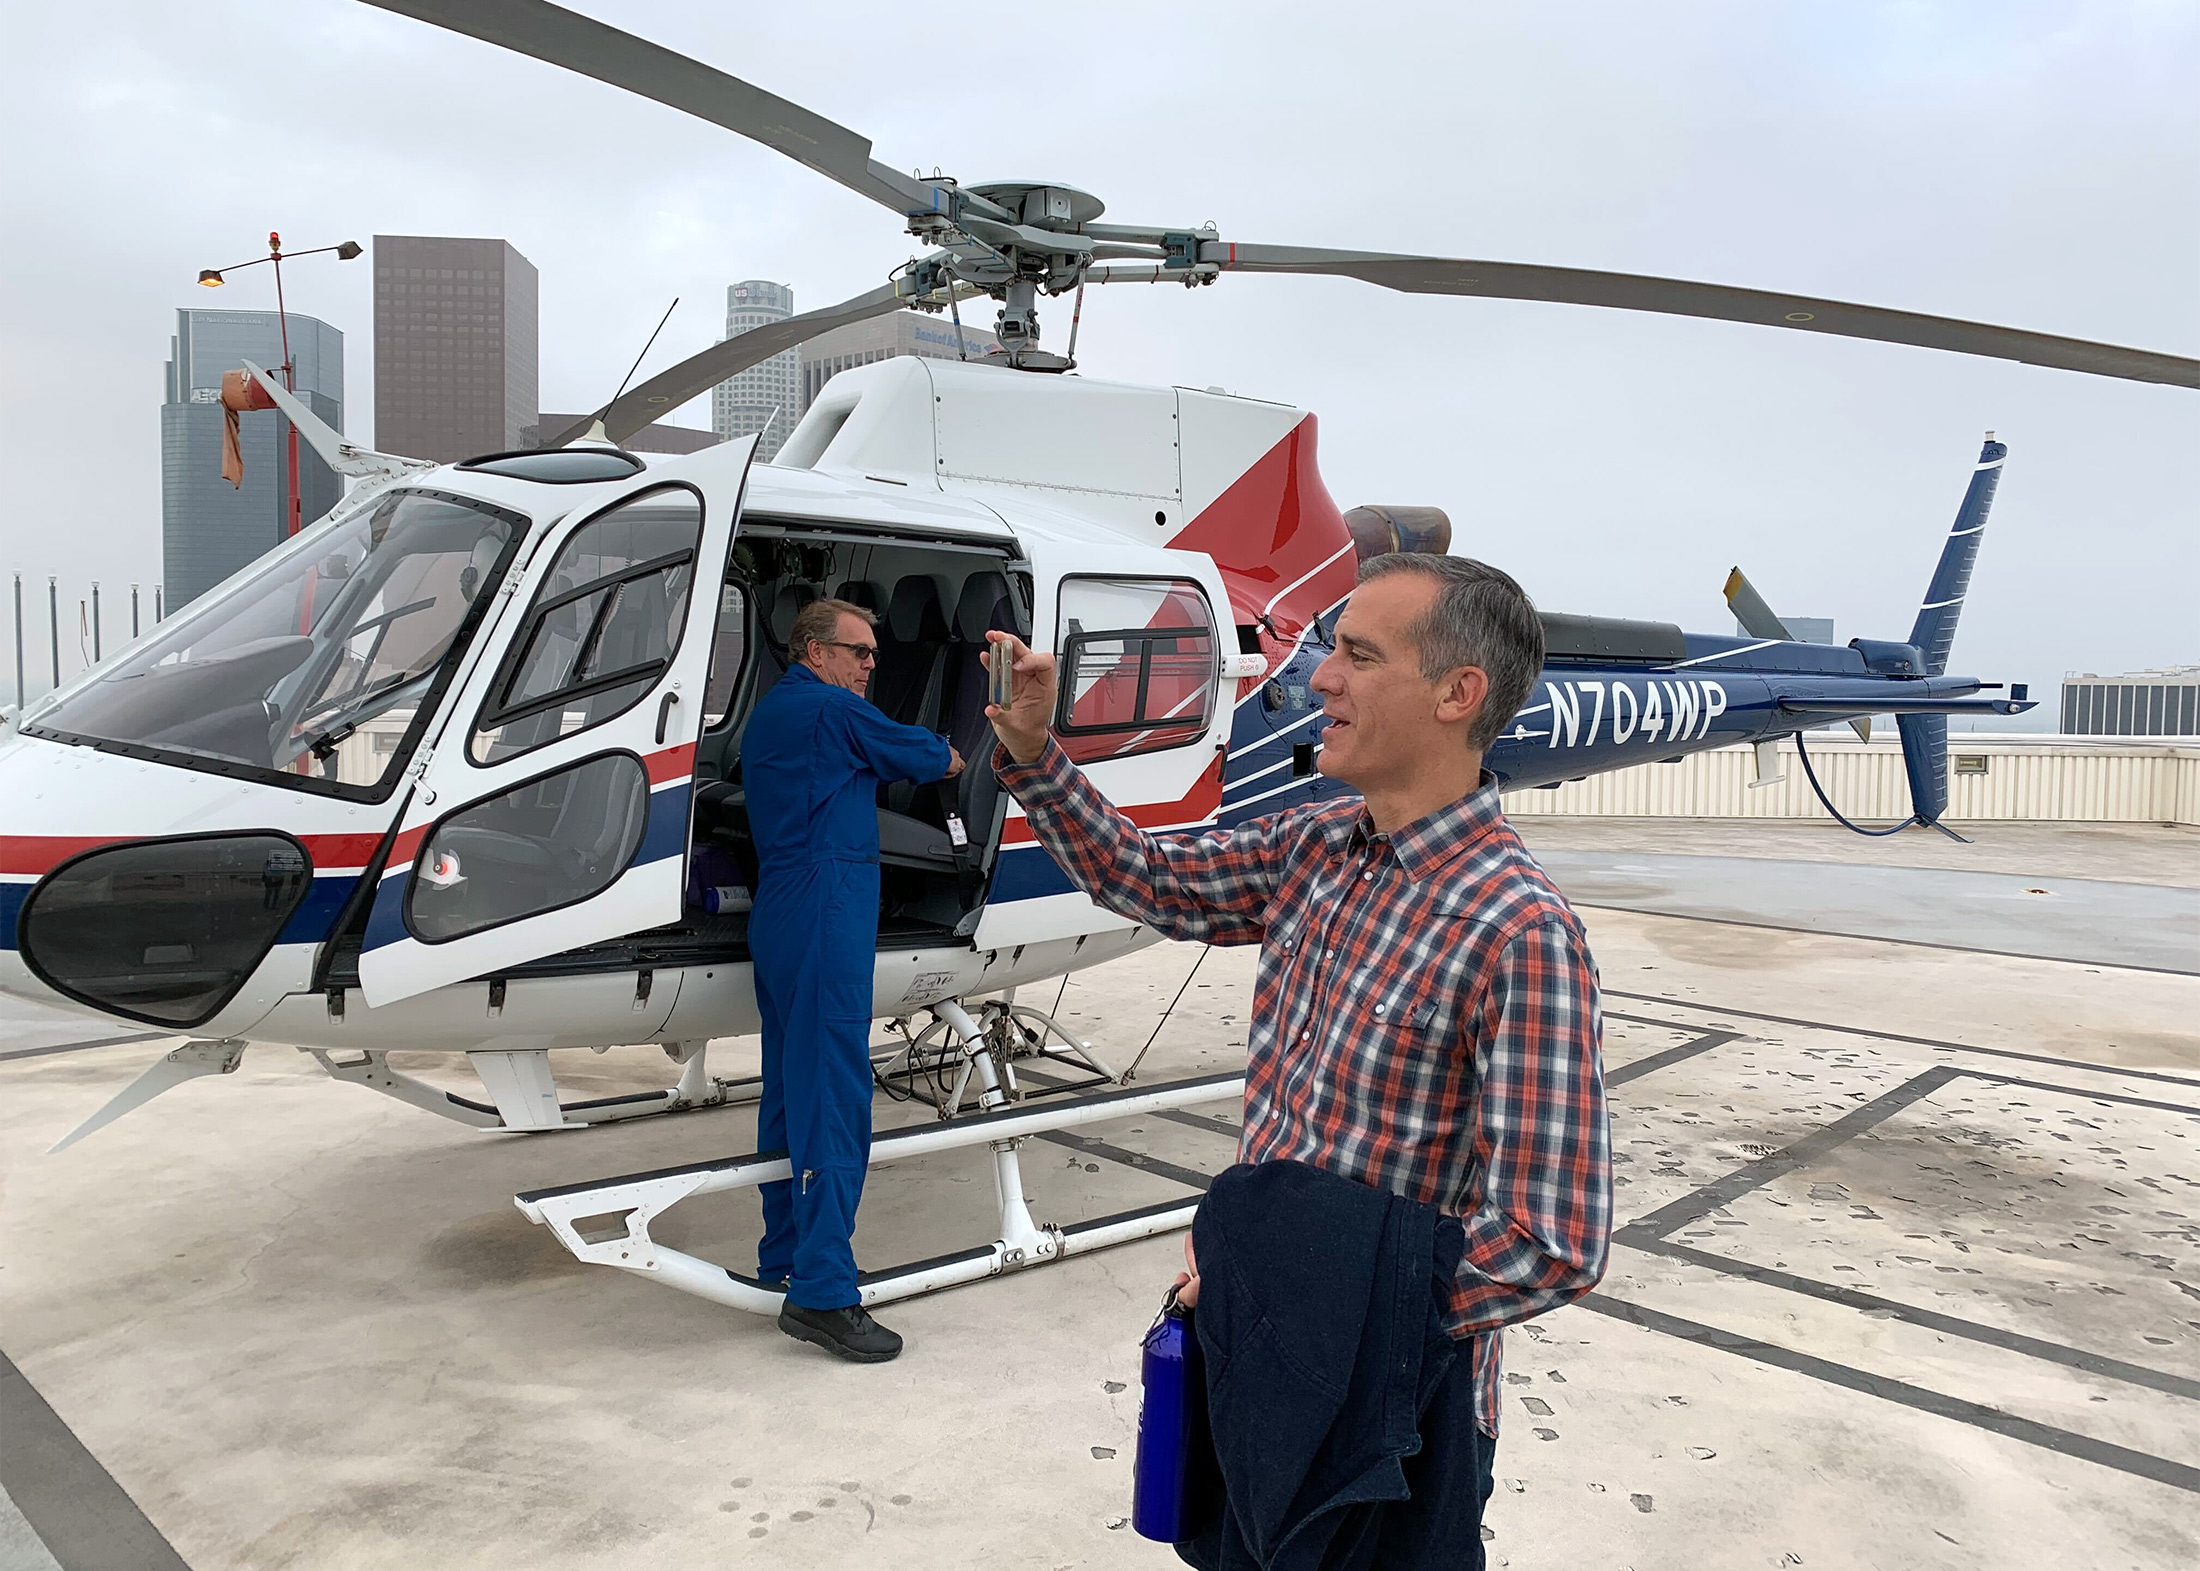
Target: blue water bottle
(1174,1482)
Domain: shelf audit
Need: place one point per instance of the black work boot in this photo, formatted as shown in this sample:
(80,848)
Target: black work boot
(851,1332)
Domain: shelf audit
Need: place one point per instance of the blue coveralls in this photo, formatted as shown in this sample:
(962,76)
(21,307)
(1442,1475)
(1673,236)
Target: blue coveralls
(812,760)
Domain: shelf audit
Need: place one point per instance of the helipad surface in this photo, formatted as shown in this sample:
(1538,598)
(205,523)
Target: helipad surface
(1908,1276)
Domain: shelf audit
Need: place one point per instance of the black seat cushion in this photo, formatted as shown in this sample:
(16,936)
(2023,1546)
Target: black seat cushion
(862,592)
(786,606)
(912,643)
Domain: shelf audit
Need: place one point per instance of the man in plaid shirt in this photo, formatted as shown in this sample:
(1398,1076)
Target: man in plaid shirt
(1426,1017)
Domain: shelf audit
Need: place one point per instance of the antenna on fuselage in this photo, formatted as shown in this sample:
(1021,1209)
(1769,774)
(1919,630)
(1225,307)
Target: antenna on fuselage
(596,431)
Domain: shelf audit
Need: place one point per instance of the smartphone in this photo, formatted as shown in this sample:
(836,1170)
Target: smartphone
(1001,676)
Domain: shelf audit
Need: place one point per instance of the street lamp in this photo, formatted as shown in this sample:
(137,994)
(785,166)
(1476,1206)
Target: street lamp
(212,278)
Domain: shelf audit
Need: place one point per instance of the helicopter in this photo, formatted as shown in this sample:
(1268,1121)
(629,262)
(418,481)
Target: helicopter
(457,768)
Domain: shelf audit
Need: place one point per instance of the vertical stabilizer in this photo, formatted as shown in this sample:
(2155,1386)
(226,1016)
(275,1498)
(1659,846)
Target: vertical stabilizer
(1925,737)
(1935,632)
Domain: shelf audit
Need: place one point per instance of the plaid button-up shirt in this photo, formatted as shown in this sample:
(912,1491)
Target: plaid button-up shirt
(1425,1018)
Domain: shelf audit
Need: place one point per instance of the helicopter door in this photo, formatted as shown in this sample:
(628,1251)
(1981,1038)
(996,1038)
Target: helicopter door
(553,810)
(1143,709)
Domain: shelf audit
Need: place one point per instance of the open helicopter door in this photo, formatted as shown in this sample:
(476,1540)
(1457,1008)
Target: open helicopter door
(551,811)
(1146,663)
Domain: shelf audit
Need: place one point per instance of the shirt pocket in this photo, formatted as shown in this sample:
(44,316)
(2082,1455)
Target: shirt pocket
(1414,1013)
(1421,1008)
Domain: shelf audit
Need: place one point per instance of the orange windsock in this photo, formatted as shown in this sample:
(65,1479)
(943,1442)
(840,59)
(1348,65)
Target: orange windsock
(241,390)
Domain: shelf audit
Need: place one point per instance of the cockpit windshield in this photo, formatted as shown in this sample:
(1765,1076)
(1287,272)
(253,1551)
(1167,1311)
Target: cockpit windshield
(316,664)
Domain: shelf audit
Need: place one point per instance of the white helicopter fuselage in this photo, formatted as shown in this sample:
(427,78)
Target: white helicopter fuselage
(1082,495)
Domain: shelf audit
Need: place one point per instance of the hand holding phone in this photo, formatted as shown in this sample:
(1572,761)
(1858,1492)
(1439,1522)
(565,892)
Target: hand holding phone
(1021,691)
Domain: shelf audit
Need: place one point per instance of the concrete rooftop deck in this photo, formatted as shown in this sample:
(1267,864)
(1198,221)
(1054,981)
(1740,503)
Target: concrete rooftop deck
(1908,1276)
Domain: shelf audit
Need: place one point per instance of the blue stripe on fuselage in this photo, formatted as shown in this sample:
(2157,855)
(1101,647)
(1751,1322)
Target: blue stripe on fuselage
(12,897)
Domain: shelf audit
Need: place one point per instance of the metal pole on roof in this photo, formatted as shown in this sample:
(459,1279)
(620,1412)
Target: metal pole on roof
(19,698)
(95,622)
(53,622)
(133,611)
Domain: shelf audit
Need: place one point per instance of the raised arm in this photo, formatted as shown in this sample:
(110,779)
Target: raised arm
(1539,1224)
(1216,887)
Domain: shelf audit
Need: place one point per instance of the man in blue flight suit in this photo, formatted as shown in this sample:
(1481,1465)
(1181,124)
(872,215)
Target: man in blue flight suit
(812,760)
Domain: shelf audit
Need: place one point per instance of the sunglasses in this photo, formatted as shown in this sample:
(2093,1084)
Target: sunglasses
(866,654)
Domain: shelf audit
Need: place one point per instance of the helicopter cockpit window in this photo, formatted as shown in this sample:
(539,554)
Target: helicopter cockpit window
(1139,666)
(603,628)
(315,664)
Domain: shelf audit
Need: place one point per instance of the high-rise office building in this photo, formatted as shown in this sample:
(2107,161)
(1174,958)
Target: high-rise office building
(208,527)
(882,338)
(455,347)
(2163,702)
(765,398)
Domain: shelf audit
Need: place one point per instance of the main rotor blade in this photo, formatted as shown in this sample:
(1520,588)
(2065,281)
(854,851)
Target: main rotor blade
(698,374)
(1435,275)
(578,43)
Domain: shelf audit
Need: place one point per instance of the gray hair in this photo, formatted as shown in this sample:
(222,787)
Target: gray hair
(819,622)
(1480,618)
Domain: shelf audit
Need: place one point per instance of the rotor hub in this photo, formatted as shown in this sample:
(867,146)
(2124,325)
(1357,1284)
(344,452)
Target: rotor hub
(1042,204)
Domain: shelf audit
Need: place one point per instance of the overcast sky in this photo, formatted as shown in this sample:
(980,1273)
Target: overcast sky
(2029,164)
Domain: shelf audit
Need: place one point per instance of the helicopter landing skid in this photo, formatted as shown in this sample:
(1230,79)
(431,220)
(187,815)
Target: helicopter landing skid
(526,1098)
(936,1065)
(607,1221)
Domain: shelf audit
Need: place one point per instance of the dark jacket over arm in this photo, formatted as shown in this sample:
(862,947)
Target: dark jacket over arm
(1321,1316)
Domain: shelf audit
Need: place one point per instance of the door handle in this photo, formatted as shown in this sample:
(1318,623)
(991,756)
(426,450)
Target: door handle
(664,714)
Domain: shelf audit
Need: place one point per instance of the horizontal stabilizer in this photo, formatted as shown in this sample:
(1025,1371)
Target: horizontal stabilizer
(1909,706)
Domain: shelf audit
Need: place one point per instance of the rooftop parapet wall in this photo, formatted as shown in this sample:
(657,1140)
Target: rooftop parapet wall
(2025,778)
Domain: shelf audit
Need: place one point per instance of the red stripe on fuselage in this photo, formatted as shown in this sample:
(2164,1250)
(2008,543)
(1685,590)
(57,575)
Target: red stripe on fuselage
(405,849)
(674,763)
(37,855)
(1199,806)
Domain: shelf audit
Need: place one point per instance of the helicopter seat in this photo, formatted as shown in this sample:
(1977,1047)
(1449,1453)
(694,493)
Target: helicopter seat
(862,592)
(912,653)
(984,606)
(786,606)
(908,682)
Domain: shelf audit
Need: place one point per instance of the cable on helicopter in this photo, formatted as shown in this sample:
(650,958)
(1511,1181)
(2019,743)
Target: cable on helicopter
(1827,802)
